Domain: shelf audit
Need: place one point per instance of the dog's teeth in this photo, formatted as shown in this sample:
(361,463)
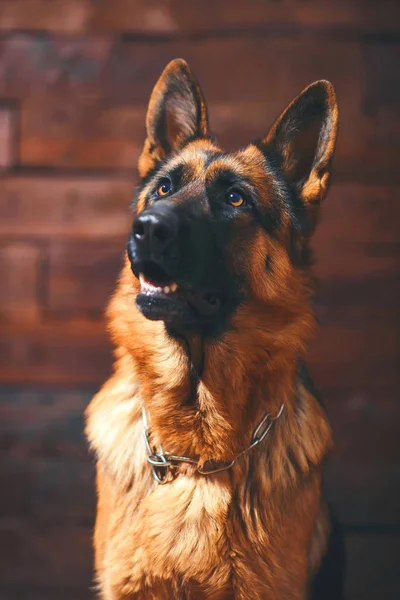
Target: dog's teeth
(149,288)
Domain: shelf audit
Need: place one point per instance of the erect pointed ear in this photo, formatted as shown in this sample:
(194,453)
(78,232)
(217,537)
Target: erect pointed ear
(177,113)
(303,140)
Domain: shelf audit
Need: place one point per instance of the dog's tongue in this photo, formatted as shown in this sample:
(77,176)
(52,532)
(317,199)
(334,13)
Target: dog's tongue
(206,305)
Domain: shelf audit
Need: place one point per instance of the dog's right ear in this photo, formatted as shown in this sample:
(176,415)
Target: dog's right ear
(176,114)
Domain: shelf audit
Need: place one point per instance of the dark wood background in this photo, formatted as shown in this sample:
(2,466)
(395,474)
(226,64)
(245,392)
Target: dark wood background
(75,76)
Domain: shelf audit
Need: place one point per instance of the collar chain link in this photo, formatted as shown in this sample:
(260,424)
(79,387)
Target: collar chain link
(162,462)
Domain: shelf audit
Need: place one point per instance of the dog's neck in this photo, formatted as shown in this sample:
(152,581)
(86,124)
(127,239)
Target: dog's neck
(212,413)
(205,397)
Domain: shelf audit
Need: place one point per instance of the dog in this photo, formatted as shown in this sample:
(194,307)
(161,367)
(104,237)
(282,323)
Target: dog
(209,437)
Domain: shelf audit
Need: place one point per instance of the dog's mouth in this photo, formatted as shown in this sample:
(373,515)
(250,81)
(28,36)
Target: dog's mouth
(154,280)
(162,298)
(148,287)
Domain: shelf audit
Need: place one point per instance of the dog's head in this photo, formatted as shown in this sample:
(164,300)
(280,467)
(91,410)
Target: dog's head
(214,230)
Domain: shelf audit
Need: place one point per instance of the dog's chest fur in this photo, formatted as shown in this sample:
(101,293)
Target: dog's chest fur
(222,536)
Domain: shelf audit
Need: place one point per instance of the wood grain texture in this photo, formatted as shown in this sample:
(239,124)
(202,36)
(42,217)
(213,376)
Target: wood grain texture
(80,207)
(20,277)
(43,593)
(373,561)
(7,138)
(86,134)
(120,71)
(80,16)
(50,555)
(82,276)
(43,424)
(54,351)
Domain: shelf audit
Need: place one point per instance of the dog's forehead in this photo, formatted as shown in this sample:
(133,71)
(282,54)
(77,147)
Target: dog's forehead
(194,160)
(204,161)
(248,164)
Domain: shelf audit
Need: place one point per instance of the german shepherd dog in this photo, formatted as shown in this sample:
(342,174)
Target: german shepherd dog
(208,436)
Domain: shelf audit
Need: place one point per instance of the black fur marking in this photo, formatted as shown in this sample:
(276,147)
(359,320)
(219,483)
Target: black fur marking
(212,155)
(270,218)
(176,175)
(228,178)
(135,198)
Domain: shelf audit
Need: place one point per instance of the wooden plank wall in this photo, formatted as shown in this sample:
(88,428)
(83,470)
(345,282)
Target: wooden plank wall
(75,76)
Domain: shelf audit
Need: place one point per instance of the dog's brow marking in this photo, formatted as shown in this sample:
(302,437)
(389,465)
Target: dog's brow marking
(223,163)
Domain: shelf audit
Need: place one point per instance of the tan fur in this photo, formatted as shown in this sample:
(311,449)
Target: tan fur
(259,530)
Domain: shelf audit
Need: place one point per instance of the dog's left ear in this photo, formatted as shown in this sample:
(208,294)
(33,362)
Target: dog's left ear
(303,140)
(177,112)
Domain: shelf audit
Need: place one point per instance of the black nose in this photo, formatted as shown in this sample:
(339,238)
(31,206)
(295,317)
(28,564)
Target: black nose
(155,229)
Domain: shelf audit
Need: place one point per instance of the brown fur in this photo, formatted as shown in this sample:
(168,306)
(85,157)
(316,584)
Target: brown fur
(259,530)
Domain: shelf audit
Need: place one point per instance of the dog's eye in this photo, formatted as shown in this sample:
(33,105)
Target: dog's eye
(164,188)
(235,198)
